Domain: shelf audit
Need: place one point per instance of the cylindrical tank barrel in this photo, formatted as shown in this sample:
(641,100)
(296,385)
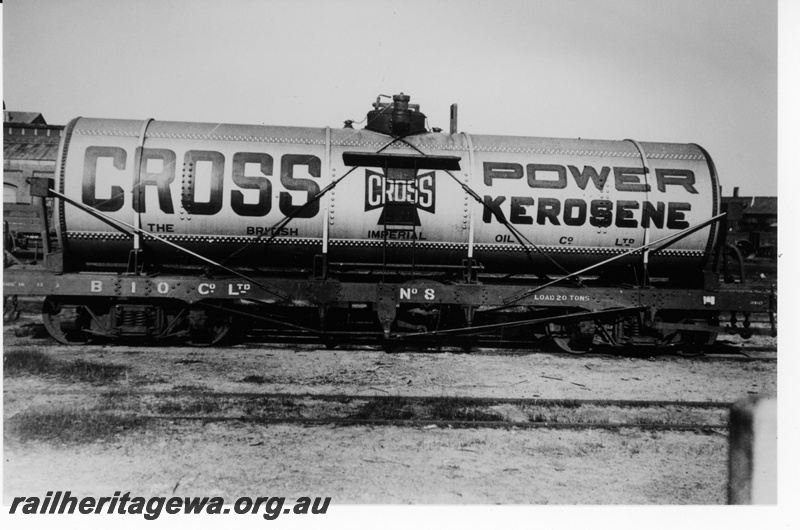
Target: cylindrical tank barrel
(221,190)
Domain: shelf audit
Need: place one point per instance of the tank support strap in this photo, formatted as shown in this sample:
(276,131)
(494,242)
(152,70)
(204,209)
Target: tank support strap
(471,213)
(526,243)
(275,229)
(128,228)
(134,262)
(646,167)
(666,240)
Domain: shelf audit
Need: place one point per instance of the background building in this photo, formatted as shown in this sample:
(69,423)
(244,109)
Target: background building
(30,148)
(756,233)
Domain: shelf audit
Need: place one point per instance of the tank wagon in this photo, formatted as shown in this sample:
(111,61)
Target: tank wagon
(171,230)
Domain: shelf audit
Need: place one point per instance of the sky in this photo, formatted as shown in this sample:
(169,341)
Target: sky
(685,71)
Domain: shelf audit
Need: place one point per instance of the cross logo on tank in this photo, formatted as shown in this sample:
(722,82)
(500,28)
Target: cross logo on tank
(401,193)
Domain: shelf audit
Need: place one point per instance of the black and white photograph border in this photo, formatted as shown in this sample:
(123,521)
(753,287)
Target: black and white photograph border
(397,263)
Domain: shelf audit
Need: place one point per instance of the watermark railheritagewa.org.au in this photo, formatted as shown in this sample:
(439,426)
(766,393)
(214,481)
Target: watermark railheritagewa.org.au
(152,507)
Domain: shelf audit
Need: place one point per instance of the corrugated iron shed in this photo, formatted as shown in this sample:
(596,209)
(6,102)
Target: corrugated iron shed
(755,205)
(28,118)
(24,141)
(31,148)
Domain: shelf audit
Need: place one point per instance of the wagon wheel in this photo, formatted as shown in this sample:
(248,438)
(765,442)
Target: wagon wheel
(572,337)
(207,326)
(66,324)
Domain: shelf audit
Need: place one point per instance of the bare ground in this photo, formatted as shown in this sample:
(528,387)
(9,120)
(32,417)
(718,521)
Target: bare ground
(378,464)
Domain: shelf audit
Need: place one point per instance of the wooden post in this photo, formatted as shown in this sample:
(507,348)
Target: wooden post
(753,452)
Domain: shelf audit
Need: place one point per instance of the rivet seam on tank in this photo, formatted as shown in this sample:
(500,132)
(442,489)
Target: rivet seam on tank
(440,147)
(98,132)
(237,138)
(187,189)
(350,242)
(582,152)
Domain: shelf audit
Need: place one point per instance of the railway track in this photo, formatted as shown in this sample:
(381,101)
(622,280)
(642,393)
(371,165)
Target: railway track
(423,412)
(501,346)
(428,424)
(486,346)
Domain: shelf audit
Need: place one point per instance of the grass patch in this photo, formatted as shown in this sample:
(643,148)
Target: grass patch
(635,415)
(588,414)
(460,409)
(256,379)
(270,407)
(28,361)
(189,407)
(443,409)
(190,388)
(391,408)
(69,426)
(91,372)
(149,380)
(119,401)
